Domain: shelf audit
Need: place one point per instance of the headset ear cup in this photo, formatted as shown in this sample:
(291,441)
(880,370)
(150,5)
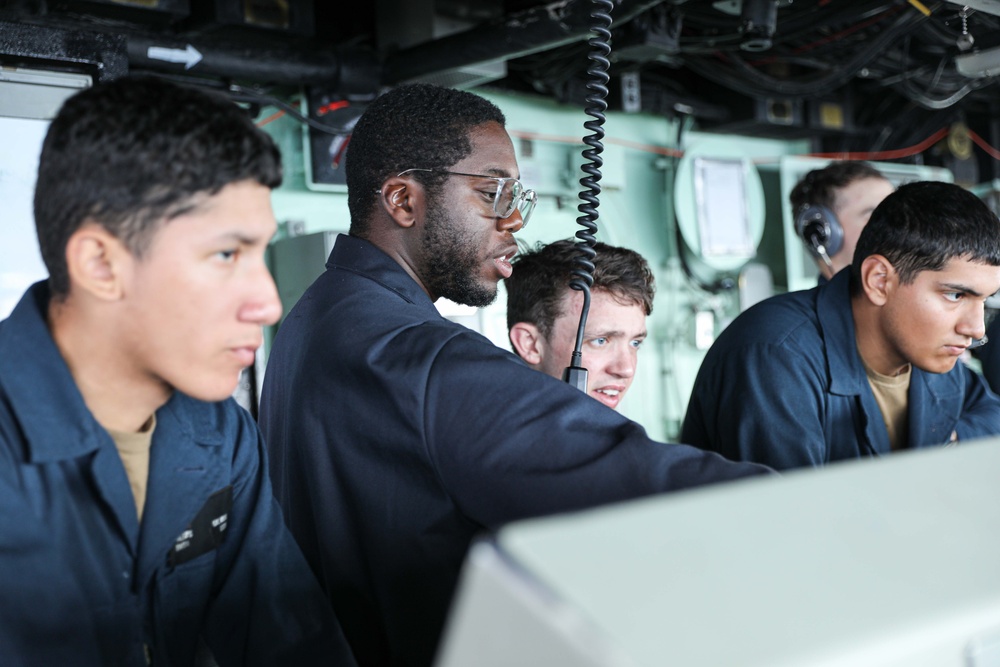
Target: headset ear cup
(836,238)
(818,226)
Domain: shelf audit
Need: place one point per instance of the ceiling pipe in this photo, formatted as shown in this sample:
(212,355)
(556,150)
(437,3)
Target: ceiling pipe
(98,54)
(261,62)
(531,31)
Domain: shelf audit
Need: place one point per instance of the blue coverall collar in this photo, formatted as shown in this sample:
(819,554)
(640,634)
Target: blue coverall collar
(43,393)
(351,253)
(836,319)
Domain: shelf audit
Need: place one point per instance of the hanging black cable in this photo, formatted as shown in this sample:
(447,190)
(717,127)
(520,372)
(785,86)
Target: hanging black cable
(600,49)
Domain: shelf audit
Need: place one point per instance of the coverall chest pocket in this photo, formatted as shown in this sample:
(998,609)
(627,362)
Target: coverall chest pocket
(184,587)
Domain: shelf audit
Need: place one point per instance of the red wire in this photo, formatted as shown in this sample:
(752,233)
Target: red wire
(273,117)
(332,106)
(979,141)
(889,155)
(873,155)
(673,152)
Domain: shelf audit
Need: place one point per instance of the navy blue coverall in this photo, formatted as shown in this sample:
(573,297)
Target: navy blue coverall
(396,436)
(83,583)
(784,385)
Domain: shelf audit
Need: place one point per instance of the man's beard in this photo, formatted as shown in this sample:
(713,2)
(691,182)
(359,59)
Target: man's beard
(451,261)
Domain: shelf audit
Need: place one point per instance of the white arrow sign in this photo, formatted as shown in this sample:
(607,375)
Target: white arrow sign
(189,56)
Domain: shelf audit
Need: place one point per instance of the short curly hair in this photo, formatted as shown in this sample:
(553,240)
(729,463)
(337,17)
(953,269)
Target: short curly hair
(412,126)
(541,277)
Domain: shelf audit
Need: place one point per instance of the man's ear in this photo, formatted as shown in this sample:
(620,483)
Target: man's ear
(96,262)
(878,279)
(402,199)
(527,342)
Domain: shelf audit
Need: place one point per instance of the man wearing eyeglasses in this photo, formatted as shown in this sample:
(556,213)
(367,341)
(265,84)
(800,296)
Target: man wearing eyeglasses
(396,436)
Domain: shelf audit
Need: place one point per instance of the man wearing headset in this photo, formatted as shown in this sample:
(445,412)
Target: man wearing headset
(831,206)
(864,364)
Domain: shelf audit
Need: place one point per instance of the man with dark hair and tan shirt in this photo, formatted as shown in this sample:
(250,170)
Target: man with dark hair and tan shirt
(138,524)
(867,363)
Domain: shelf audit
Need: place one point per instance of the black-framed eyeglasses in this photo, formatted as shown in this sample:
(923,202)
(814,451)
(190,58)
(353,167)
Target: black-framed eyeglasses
(510,194)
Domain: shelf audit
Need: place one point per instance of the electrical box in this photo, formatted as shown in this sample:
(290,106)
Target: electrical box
(766,116)
(326,151)
(830,114)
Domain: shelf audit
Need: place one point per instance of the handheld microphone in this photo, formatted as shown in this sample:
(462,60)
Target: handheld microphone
(575,374)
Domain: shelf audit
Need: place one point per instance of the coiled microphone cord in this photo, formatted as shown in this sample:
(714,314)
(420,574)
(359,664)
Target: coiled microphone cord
(583,275)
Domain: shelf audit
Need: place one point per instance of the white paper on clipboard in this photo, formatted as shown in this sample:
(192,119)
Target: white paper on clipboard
(721,208)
